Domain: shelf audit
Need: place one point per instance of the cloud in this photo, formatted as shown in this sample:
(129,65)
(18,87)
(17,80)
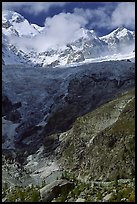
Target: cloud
(31,7)
(110,15)
(124,14)
(97,18)
(58,31)
(107,15)
(63,28)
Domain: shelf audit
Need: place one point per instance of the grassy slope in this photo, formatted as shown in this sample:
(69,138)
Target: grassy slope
(100,145)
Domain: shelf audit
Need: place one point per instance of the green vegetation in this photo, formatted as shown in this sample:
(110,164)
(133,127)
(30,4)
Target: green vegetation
(126,194)
(101,143)
(20,194)
(120,190)
(99,155)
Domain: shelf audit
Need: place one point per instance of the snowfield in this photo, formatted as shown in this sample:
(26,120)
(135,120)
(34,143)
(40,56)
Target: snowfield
(114,57)
(18,47)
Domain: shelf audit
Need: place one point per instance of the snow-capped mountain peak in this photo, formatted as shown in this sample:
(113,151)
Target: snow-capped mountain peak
(11,16)
(19,36)
(124,32)
(121,40)
(85,33)
(118,33)
(38,28)
(14,23)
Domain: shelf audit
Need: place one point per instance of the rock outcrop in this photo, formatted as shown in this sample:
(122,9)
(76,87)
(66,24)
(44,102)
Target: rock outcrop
(75,57)
(6,105)
(9,110)
(85,91)
(54,189)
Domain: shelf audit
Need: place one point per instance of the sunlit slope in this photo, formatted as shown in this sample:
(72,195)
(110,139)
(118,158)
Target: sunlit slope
(100,145)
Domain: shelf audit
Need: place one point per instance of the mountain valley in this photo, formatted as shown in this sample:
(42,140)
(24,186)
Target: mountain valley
(68,115)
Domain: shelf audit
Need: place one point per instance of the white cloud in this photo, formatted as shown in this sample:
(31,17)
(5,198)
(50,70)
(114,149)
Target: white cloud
(64,27)
(98,18)
(124,14)
(110,16)
(32,7)
(59,30)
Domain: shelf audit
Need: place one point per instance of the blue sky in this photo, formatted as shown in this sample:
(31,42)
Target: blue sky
(103,17)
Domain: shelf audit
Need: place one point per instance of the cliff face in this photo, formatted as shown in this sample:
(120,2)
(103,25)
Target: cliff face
(46,132)
(85,90)
(100,145)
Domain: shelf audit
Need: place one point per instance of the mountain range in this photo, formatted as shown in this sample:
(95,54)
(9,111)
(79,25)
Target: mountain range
(67,133)
(23,42)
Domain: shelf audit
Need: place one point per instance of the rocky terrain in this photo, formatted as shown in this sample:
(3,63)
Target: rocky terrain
(95,158)
(51,140)
(68,116)
(64,94)
(100,145)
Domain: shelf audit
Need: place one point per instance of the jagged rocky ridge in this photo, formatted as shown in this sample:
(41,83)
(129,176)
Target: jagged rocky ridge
(17,33)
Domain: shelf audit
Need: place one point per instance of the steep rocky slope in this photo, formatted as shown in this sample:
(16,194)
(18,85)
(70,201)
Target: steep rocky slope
(60,95)
(96,158)
(100,145)
(40,104)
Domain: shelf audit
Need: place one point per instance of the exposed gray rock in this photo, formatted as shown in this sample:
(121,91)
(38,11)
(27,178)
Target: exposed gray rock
(6,25)
(3,63)
(6,105)
(9,110)
(4,199)
(52,190)
(107,197)
(80,200)
(53,64)
(85,92)
(13,116)
(75,57)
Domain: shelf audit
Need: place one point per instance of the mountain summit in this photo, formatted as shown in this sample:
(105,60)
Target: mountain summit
(19,35)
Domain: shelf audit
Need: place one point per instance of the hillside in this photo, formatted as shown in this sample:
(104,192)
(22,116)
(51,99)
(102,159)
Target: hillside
(97,156)
(101,143)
